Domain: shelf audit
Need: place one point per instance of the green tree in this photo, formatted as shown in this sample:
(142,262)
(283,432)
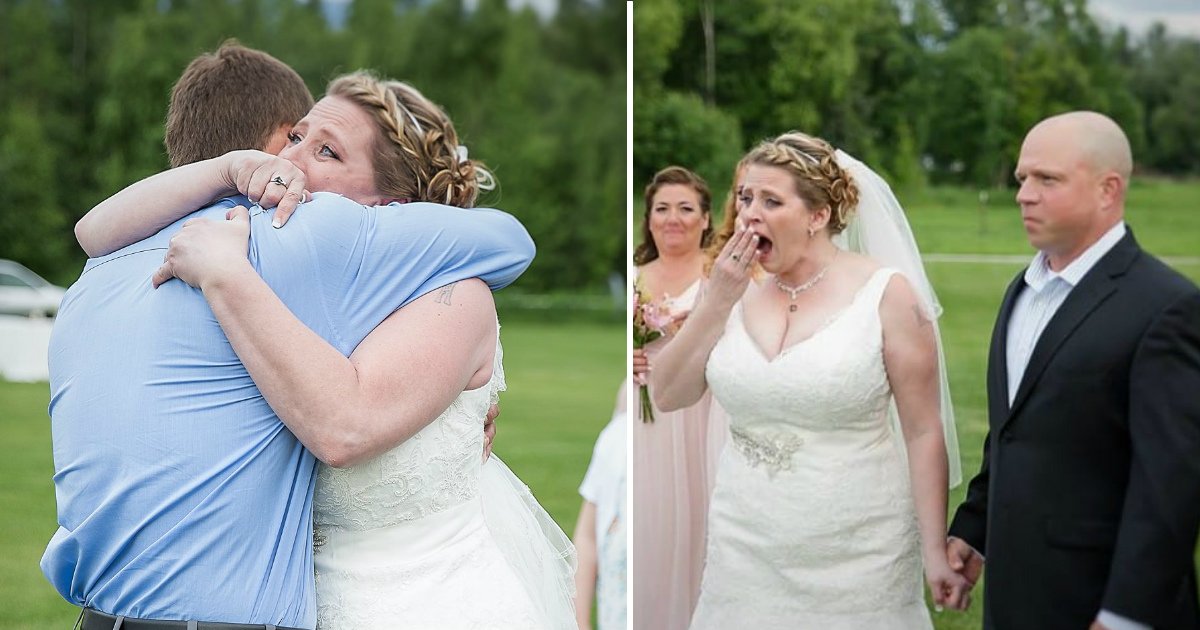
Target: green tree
(673,128)
(657,26)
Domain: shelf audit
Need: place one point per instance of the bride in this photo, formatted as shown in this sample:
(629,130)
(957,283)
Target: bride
(824,510)
(412,528)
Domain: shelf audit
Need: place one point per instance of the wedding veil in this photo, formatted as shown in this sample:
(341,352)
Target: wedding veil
(537,550)
(879,230)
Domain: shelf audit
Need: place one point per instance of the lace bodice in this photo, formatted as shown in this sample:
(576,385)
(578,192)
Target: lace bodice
(814,385)
(436,469)
(812,513)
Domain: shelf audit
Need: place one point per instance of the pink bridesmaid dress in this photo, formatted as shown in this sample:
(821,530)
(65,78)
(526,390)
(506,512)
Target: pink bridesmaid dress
(674,465)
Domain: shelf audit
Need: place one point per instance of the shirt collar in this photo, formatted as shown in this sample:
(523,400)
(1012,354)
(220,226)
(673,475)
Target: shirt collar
(1039,274)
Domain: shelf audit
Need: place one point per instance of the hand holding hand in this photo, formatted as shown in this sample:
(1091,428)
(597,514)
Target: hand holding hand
(948,588)
(964,559)
(268,180)
(641,367)
(731,271)
(489,430)
(205,249)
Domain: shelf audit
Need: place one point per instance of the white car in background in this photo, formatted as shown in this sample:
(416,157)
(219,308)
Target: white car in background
(23,292)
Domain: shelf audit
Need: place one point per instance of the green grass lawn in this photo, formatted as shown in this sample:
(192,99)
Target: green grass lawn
(1165,217)
(562,381)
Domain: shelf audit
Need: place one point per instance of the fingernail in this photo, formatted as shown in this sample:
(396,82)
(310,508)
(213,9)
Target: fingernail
(276,223)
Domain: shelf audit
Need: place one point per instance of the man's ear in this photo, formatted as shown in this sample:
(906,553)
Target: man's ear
(1112,188)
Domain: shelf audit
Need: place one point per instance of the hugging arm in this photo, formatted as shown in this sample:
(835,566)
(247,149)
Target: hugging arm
(407,369)
(1160,521)
(145,207)
(400,378)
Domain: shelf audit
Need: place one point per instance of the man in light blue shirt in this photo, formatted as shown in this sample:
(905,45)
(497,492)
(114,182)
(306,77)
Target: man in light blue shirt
(181,495)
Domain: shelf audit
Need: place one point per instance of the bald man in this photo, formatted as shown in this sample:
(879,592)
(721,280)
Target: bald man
(1087,505)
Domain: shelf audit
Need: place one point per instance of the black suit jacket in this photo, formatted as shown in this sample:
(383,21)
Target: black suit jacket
(1089,492)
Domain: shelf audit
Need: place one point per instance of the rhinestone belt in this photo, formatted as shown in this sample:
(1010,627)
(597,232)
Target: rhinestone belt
(773,452)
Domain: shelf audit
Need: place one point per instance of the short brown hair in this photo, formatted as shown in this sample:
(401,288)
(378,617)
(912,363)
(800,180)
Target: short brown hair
(648,249)
(231,99)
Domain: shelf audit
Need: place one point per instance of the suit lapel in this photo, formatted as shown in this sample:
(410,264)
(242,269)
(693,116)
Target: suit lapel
(998,355)
(1095,287)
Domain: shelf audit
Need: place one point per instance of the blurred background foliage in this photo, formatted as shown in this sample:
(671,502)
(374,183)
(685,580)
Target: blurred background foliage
(926,91)
(84,87)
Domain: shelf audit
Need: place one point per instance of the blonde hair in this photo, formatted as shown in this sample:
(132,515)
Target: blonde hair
(417,154)
(820,181)
(722,234)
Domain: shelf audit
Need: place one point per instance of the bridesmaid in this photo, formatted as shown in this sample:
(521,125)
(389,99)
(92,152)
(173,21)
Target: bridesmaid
(674,456)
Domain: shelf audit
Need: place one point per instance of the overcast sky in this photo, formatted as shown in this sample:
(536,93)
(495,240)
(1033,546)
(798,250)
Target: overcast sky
(1182,17)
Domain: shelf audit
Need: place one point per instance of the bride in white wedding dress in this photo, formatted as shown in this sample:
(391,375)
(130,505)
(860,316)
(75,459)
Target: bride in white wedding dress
(825,509)
(387,371)
(425,536)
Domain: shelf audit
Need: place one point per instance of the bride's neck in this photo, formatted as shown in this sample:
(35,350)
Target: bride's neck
(820,256)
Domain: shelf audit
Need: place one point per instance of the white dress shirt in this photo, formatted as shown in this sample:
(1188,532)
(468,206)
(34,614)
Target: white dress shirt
(1045,292)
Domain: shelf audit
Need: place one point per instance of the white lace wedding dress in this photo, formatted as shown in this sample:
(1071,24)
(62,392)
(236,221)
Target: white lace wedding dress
(811,523)
(423,536)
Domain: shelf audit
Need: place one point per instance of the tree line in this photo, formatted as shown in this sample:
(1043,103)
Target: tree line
(926,91)
(84,87)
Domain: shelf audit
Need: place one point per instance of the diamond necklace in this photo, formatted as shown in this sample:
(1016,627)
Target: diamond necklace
(801,288)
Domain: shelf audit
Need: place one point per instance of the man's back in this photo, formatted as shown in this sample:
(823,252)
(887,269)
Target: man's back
(180,493)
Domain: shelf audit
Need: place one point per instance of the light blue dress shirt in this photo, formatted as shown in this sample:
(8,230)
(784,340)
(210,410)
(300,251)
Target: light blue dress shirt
(180,493)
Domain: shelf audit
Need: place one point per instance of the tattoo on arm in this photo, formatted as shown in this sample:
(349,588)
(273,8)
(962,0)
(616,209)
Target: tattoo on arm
(444,294)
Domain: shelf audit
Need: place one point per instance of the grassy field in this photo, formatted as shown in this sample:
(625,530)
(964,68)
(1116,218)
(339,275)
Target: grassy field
(562,381)
(1164,215)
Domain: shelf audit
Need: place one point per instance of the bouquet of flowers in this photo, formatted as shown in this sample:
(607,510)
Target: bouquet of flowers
(652,319)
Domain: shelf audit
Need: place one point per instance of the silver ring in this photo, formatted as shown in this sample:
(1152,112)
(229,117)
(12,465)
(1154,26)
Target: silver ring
(278,180)
(734,257)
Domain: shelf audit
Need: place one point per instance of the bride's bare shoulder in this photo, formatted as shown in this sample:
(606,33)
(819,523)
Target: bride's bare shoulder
(858,265)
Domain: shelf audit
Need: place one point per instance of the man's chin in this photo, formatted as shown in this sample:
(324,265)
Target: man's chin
(1034,237)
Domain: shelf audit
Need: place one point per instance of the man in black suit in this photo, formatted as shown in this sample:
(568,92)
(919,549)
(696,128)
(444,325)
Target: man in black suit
(1087,505)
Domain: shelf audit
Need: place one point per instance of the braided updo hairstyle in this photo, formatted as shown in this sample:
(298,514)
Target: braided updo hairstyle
(820,181)
(812,162)
(416,154)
